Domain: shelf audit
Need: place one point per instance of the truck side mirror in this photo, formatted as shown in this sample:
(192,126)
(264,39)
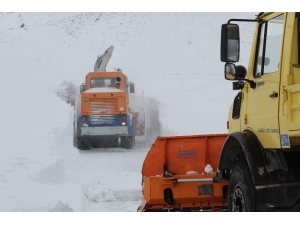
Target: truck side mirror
(230,71)
(131,87)
(230,43)
(82,88)
(233,72)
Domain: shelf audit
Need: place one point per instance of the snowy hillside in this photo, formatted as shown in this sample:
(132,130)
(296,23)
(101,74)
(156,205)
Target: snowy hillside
(174,58)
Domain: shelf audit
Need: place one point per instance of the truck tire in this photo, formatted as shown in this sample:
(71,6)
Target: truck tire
(84,143)
(240,190)
(127,142)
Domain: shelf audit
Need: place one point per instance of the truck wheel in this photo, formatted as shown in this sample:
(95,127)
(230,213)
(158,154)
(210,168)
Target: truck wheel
(240,190)
(127,142)
(84,143)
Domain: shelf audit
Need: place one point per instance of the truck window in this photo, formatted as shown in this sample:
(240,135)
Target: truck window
(269,47)
(103,82)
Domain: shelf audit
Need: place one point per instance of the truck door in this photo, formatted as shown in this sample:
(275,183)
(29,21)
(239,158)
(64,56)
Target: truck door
(263,101)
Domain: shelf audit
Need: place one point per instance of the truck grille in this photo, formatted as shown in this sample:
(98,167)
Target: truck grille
(104,120)
(104,105)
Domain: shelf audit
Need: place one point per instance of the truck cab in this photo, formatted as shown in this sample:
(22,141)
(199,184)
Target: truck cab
(261,157)
(106,92)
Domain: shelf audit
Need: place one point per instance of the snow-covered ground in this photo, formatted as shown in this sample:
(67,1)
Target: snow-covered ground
(171,57)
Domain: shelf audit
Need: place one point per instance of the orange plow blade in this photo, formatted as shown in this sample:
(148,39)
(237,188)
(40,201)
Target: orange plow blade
(179,174)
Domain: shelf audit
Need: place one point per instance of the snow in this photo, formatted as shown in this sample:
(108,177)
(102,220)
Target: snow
(208,169)
(191,172)
(171,57)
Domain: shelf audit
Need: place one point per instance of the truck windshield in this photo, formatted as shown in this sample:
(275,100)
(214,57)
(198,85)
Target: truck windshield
(103,82)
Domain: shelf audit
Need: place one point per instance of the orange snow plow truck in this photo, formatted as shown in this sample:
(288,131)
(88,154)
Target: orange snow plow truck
(105,115)
(179,174)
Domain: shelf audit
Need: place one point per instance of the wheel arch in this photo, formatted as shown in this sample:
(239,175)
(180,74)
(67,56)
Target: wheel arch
(243,145)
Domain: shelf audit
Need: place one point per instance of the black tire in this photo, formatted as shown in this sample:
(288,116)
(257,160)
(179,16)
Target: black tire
(84,143)
(127,142)
(241,191)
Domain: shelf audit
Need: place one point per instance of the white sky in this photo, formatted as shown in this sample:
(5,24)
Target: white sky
(144,6)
